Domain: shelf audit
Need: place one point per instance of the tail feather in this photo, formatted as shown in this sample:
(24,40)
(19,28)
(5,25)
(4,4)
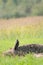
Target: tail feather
(16,45)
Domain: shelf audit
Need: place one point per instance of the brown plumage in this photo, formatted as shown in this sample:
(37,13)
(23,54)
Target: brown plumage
(23,50)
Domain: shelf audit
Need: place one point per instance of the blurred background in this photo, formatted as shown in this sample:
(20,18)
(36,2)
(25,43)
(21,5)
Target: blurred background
(20,8)
(22,20)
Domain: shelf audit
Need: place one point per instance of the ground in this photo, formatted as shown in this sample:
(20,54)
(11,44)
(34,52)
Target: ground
(27,30)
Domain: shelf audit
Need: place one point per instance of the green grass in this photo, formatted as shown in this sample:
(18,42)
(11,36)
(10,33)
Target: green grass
(27,60)
(25,35)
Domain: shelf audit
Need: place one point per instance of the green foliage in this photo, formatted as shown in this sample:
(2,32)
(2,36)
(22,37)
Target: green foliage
(20,8)
(4,1)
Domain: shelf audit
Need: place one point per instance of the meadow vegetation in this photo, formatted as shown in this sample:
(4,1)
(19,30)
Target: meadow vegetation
(26,34)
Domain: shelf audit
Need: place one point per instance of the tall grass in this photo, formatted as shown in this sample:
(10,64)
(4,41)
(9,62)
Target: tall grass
(26,35)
